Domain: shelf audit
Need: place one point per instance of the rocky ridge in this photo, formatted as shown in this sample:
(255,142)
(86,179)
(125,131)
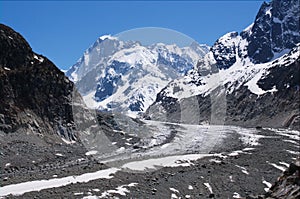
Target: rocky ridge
(233,85)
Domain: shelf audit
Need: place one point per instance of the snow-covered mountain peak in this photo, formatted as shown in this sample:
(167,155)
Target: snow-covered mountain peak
(251,63)
(103,37)
(125,76)
(139,55)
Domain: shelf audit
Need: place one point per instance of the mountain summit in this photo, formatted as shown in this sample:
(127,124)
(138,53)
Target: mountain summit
(251,78)
(125,76)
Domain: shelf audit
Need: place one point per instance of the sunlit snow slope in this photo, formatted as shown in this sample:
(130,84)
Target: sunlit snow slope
(125,76)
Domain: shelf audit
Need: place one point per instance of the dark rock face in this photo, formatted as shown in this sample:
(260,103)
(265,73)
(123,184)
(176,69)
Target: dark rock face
(276,28)
(14,49)
(287,185)
(220,49)
(35,94)
(278,109)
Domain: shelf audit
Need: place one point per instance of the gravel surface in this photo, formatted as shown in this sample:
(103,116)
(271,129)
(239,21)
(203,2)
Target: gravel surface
(243,173)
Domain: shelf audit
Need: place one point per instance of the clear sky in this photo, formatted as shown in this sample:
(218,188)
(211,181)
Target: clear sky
(63,30)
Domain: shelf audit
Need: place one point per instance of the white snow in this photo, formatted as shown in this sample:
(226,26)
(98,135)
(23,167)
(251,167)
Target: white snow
(236,195)
(6,68)
(173,196)
(122,190)
(174,190)
(291,134)
(190,187)
(269,185)
(7,164)
(293,142)
(103,37)
(242,73)
(91,152)
(235,153)
(67,141)
(21,188)
(63,70)
(146,76)
(244,170)
(169,161)
(215,161)
(252,84)
(78,193)
(281,168)
(268,11)
(208,187)
(40,59)
(248,149)
(121,149)
(293,152)
(285,164)
(249,138)
(59,154)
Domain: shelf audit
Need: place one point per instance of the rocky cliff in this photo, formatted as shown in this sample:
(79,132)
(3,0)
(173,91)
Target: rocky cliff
(35,94)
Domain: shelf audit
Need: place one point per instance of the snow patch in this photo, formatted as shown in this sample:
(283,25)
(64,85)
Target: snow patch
(190,187)
(67,141)
(174,190)
(269,185)
(285,164)
(169,161)
(121,190)
(236,195)
(91,153)
(40,59)
(24,187)
(208,187)
(281,168)
(244,170)
(103,37)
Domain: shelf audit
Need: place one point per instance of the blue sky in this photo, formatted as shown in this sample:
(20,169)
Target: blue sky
(63,30)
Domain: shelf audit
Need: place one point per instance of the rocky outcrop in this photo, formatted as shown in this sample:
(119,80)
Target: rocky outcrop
(275,29)
(35,95)
(274,32)
(287,185)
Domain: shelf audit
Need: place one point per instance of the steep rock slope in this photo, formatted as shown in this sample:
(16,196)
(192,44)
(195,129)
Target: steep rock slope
(235,86)
(35,94)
